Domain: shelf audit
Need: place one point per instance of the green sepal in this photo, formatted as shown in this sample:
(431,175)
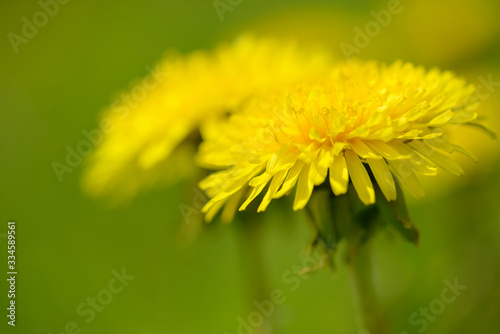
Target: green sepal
(364,222)
(345,219)
(395,215)
(327,236)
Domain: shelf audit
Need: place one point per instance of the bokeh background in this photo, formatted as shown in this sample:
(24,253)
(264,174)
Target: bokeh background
(57,83)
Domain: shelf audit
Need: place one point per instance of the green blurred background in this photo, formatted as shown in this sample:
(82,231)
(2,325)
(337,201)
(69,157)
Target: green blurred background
(69,244)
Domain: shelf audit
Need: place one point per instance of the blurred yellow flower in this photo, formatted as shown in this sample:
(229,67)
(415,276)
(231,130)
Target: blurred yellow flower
(389,119)
(138,152)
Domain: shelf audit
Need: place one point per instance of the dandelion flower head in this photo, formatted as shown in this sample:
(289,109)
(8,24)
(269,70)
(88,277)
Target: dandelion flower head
(363,123)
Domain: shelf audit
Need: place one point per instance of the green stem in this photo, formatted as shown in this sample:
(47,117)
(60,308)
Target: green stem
(371,317)
(253,259)
(253,265)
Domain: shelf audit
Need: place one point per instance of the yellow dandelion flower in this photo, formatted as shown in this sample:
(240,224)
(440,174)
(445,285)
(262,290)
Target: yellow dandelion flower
(145,134)
(364,122)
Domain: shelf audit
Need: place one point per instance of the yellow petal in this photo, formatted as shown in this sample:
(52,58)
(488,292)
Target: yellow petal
(282,160)
(360,178)
(254,193)
(319,168)
(384,177)
(291,179)
(405,174)
(387,150)
(258,180)
(437,157)
(339,175)
(450,148)
(363,150)
(416,112)
(422,165)
(212,208)
(231,207)
(441,119)
(273,188)
(304,189)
